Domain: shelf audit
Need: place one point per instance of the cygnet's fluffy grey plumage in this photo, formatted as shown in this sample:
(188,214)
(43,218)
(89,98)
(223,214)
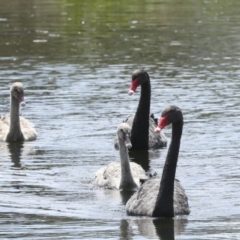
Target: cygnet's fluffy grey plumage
(13,127)
(142,123)
(122,175)
(163,197)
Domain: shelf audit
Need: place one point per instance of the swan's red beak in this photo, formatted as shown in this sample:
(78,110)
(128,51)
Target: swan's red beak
(134,85)
(163,122)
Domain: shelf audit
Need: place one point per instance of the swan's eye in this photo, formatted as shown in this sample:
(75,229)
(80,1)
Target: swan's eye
(15,89)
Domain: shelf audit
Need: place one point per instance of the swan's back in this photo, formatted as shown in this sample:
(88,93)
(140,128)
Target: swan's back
(142,203)
(4,127)
(109,177)
(27,129)
(155,140)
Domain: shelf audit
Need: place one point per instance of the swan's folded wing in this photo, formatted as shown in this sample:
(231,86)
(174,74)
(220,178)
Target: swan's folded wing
(4,126)
(109,176)
(156,140)
(138,173)
(27,129)
(181,206)
(143,201)
(129,120)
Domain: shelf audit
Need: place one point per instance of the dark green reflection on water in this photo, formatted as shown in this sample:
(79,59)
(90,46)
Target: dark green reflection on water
(139,32)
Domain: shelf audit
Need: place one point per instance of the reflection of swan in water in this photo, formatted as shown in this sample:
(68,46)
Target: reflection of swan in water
(143,157)
(161,228)
(15,150)
(126,231)
(122,175)
(13,127)
(125,195)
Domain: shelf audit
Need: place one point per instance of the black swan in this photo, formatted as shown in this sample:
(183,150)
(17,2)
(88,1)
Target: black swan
(163,197)
(13,127)
(143,125)
(122,175)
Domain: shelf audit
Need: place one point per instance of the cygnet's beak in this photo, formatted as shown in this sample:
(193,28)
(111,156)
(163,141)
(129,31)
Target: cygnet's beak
(22,104)
(128,142)
(21,99)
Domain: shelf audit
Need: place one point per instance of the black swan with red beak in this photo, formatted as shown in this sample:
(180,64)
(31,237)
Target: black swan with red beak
(142,123)
(163,196)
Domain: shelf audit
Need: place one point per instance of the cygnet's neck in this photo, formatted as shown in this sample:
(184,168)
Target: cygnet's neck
(15,133)
(127,182)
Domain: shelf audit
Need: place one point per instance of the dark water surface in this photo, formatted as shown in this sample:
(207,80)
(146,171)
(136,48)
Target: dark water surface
(75,59)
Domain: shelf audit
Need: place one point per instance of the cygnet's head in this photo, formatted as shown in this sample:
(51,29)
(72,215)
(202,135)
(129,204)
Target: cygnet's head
(18,92)
(124,132)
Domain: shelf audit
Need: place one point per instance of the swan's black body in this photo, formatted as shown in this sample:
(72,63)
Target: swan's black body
(163,197)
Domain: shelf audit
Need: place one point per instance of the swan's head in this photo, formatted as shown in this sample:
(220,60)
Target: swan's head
(138,78)
(124,133)
(18,92)
(171,114)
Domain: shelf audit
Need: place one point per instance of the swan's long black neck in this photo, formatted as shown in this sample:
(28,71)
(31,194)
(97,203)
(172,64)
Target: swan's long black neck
(164,205)
(140,127)
(127,182)
(15,133)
